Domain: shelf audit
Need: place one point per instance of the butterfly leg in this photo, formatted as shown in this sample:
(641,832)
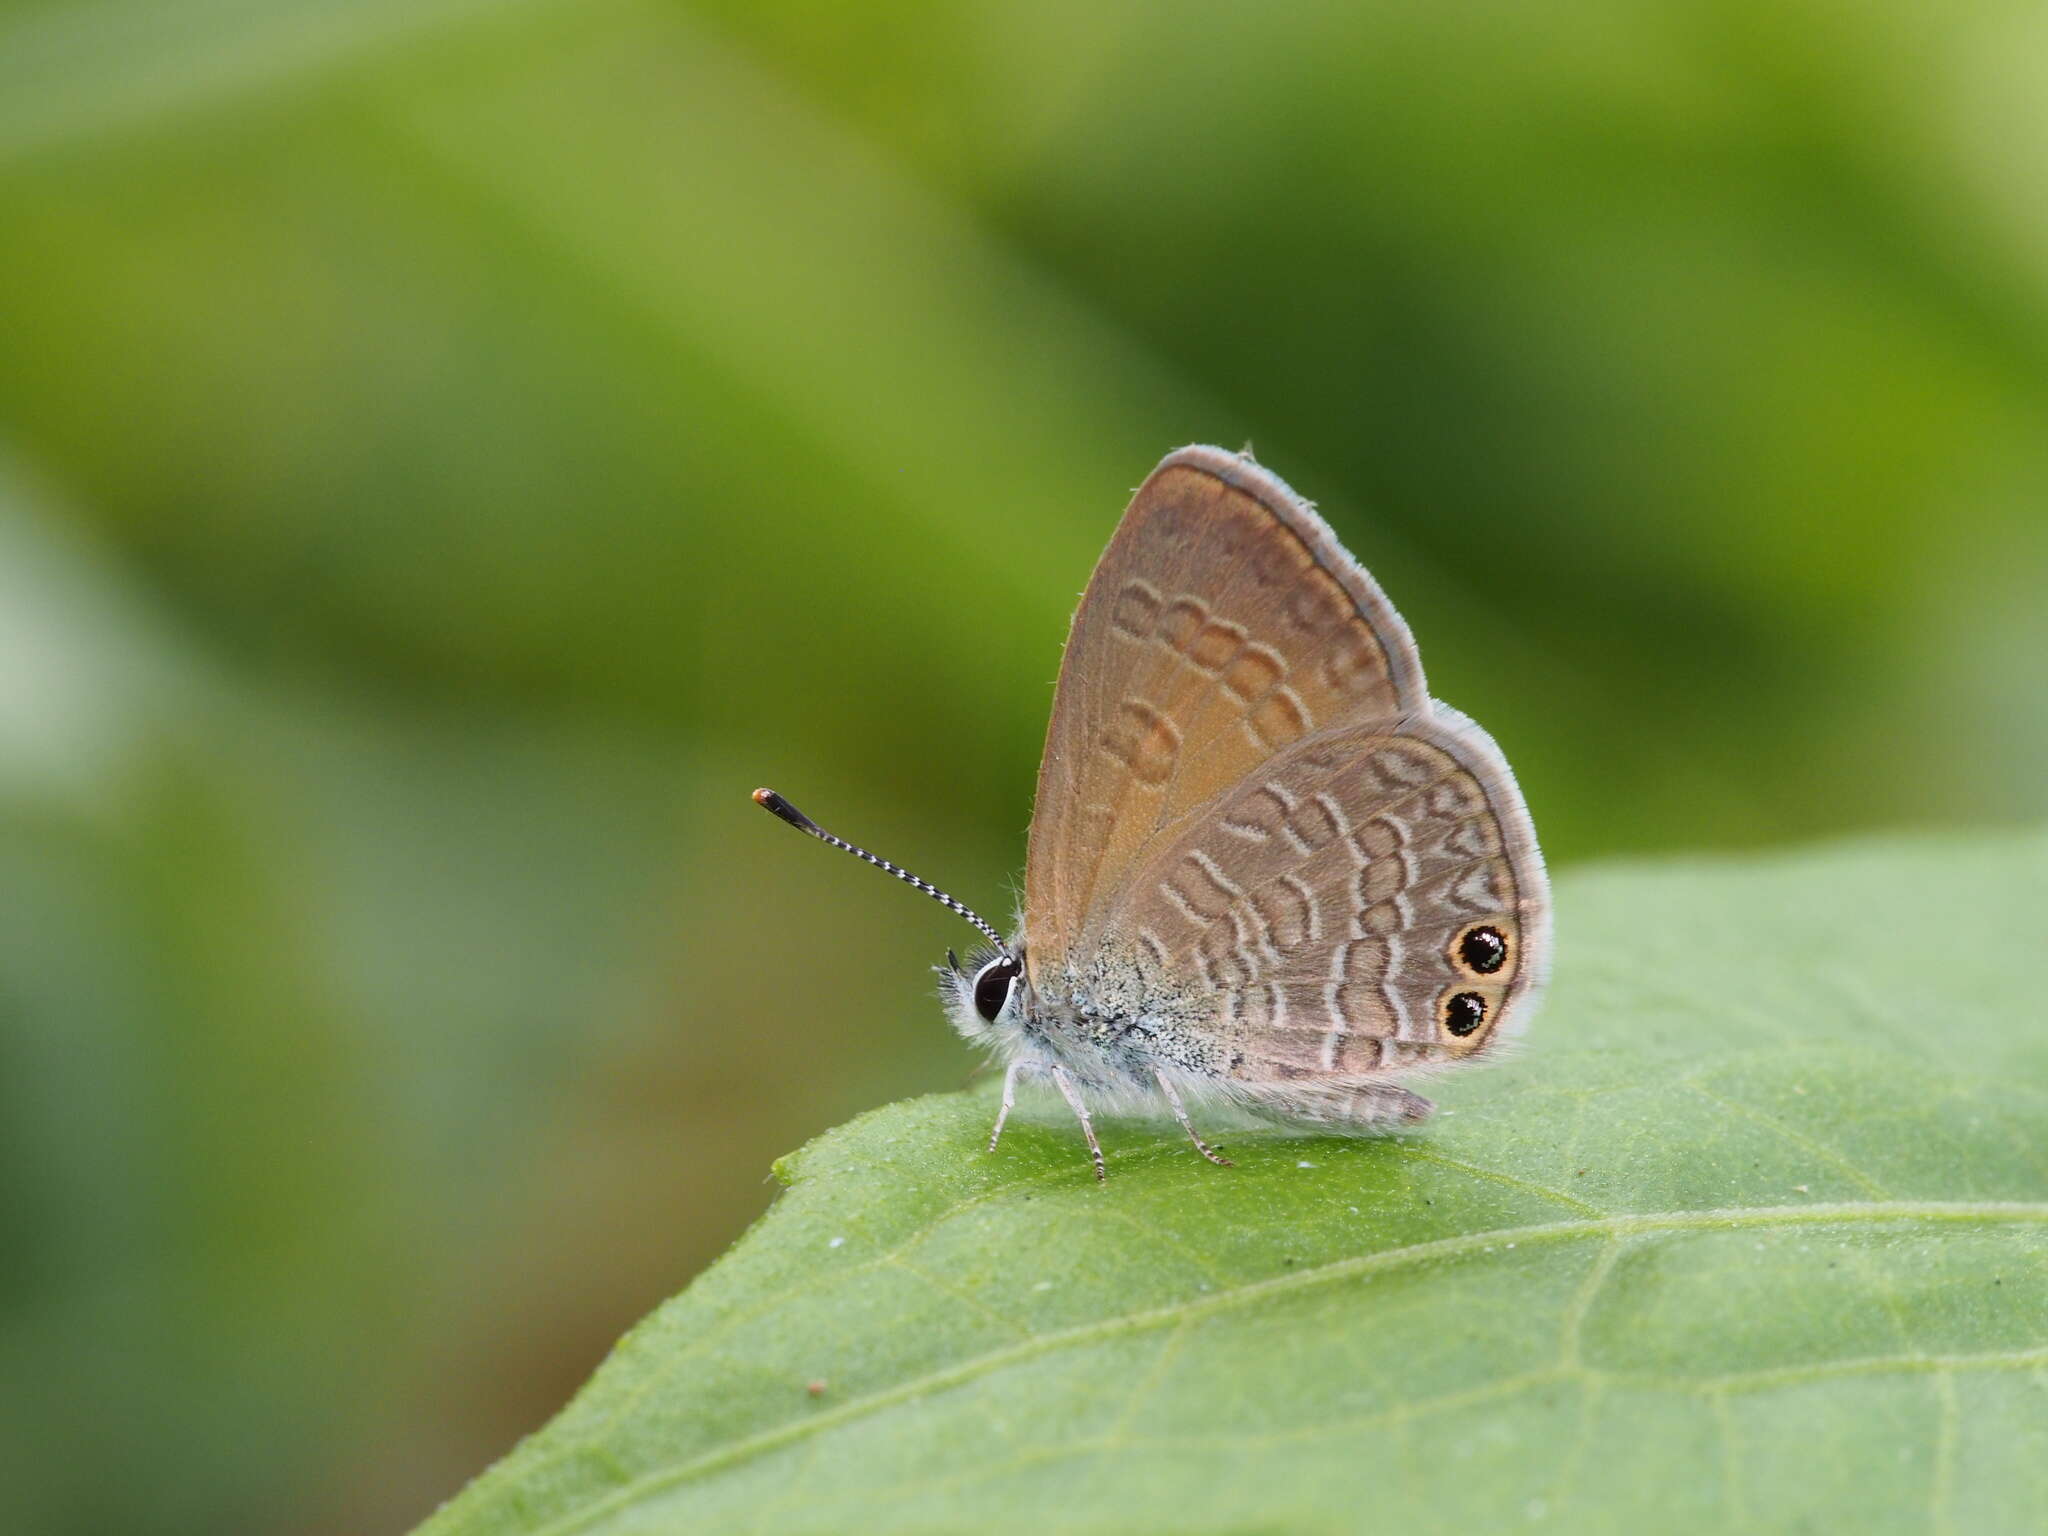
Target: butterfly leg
(1073,1098)
(1181,1114)
(1009,1102)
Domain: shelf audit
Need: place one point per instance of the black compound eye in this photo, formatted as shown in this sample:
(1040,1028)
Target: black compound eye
(1484,950)
(992,984)
(1464,1012)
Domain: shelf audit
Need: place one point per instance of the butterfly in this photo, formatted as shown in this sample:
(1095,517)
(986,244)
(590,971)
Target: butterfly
(1265,867)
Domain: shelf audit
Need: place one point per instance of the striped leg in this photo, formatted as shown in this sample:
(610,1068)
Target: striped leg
(1181,1114)
(1073,1097)
(1009,1102)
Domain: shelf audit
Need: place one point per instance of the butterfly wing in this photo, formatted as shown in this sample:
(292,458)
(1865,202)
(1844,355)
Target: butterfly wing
(1371,901)
(1248,794)
(1223,624)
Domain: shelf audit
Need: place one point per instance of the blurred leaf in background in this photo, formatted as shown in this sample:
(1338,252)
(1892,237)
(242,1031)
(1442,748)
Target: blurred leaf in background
(451,451)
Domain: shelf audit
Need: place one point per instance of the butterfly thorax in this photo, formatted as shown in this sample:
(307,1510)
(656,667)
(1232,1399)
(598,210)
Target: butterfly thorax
(1109,1020)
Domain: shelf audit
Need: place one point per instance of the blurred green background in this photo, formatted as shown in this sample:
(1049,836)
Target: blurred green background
(452,450)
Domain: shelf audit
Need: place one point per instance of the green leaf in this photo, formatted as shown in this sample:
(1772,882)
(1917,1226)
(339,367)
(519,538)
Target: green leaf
(1753,1234)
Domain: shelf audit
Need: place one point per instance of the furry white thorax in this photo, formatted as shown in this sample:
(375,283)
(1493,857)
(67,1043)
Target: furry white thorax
(1112,1030)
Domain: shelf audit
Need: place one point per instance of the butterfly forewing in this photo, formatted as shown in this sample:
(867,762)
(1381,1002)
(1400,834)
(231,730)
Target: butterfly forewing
(1223,625)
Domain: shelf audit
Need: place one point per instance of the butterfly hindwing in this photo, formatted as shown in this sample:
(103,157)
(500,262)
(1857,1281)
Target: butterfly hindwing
(1367,903)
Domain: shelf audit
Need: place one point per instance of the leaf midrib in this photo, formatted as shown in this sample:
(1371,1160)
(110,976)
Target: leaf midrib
(1622,1226)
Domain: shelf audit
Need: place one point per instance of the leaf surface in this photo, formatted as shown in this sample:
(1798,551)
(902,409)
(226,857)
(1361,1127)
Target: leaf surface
(1753,1234)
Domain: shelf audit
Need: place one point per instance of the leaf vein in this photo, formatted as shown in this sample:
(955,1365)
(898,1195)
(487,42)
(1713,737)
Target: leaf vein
(1799,1139)
(1527,1186)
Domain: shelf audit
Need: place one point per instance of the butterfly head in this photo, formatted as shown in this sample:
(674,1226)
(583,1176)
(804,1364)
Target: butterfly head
(985,995)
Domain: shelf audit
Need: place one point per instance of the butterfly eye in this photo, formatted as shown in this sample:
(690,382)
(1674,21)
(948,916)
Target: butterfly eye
(1483,950)
(993,984)
(1464,1012)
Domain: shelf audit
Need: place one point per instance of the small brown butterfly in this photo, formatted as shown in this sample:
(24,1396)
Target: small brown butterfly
(1265,866)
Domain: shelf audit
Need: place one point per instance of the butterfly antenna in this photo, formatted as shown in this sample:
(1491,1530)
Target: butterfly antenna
(770,801)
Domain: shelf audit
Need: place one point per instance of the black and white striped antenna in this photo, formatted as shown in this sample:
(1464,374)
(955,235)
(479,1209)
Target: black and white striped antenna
(770,801)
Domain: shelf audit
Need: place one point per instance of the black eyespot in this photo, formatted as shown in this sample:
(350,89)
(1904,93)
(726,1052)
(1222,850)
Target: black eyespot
(992,985)
(1484,950)
(1465,1012)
